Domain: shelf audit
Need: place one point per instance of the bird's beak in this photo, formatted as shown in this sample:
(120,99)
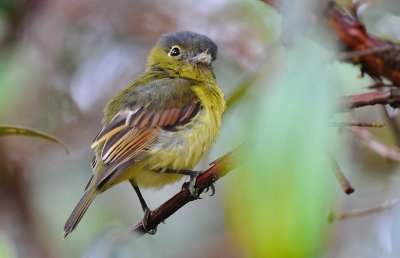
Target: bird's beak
(202,58)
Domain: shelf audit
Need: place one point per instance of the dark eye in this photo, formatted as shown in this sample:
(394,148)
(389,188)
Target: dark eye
(175,51)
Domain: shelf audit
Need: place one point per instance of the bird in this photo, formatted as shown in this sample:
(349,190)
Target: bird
(156,129)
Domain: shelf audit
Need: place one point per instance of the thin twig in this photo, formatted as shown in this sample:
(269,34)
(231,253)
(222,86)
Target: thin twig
(358,124)
(335,216)
(218,169)
(365,137)
(343,181)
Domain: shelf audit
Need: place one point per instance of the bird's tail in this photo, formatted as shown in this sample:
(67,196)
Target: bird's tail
(79,211)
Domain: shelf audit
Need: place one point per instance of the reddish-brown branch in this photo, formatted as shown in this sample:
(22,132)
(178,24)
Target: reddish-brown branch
(218,169)
(353,36)
(378,58)
(369,99)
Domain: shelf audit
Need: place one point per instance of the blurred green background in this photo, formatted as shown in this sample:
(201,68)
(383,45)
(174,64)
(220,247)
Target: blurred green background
(60,62)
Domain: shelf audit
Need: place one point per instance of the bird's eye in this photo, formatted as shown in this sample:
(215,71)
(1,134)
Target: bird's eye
(175,51)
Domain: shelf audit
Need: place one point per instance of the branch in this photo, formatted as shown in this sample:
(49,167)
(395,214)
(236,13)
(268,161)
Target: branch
(357,124)
(379,63)
(366,138)
(343,181)
(205,180)
(378,57)
(335,216)
(347,103)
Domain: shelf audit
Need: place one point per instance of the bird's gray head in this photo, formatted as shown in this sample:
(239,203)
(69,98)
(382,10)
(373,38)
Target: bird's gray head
(189,46)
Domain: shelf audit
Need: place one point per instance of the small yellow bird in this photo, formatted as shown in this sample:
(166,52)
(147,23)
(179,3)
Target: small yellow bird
(158,127)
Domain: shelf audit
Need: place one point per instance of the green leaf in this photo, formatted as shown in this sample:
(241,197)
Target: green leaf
(17,130)
(277,208)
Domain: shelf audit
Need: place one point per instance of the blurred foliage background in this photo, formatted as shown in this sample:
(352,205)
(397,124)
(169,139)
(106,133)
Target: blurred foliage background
(61,60)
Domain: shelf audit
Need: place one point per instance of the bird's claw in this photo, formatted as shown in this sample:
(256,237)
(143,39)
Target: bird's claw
(212,187)
(145,219)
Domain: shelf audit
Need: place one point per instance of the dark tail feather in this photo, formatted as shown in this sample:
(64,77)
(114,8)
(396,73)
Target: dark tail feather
(79,211)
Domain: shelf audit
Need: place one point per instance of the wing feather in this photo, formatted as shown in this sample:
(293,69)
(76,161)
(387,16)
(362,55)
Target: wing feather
(134,122)
(156,119)
(164,117)
(145,120)
(116,125)
(186,112)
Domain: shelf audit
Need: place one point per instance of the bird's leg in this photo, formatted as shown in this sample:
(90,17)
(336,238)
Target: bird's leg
(143,203)
(145,208)
(187,172)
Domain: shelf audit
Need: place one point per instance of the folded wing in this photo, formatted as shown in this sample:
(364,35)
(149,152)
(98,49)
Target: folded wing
(133,130)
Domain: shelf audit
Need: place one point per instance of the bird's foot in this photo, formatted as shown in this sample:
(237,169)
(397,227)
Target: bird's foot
(193,175)
(192,190)
(145,220)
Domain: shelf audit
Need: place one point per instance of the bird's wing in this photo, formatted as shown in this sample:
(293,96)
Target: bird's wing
(134,129)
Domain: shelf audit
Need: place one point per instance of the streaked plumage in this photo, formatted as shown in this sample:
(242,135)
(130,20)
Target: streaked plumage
(168,118)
